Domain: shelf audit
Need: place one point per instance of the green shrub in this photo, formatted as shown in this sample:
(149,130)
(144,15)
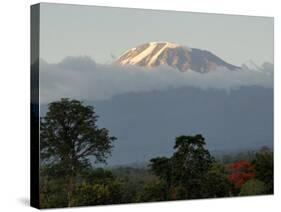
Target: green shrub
(253,187)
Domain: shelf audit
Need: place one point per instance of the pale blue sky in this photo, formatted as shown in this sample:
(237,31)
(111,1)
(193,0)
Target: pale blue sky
(98,32)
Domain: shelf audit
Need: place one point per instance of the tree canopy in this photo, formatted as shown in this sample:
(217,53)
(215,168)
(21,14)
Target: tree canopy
(186,171)
(69,137)
(71,143)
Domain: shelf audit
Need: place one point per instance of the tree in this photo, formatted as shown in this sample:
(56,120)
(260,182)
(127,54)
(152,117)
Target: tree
(132,182)
(98,187)
(217,184)
(162,167)
(52,187)
(264,168)
(162,189)
(153,191)
(191,163)
(241,172)
(253,187)
(97,194)
(69,136)
(186,171)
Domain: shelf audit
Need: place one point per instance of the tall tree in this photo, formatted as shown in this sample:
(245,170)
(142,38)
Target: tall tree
(217,184)
(69,137)
(191,163)
(186,171)
(161,167)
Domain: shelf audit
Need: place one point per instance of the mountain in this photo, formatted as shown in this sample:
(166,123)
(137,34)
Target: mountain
(146,123)
(251,65)
(177,56)
(266,67)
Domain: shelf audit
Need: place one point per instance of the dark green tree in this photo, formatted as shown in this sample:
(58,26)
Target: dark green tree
(97,187)
(153,191)
(265,168)
(186,171)
(69,136)
(132,182)
(162,167)
(52,187)
(217,184)
(253,187)
(191,163)
(97,194)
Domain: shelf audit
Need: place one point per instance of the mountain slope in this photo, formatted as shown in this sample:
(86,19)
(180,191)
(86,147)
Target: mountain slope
(240,119)
(180,57)
(147,123)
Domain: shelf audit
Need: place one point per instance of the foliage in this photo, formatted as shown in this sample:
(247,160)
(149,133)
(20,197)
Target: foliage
(186,170)
(132,182)
(153,191)
(241,172)
(162,167)
(52,189)
(217,184)
(98,175)
(253,187)
(94,186)
(264,168)
(103,184)
(69,136)
(97,193)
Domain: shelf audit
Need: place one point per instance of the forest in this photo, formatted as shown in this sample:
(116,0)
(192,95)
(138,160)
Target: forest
(72,147)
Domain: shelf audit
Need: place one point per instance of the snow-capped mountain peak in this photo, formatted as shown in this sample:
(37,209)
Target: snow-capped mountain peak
(151,50)
(181,57)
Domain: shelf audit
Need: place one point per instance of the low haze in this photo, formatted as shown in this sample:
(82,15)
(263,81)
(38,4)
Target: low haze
(82,78)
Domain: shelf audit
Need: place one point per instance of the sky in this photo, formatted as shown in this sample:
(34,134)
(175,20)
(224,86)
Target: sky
(103,33)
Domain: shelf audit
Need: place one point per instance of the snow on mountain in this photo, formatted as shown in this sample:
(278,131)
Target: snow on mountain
(146,51)
(268,68)
(177,56)
(252,66)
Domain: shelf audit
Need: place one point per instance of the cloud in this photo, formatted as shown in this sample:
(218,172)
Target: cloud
(82,78)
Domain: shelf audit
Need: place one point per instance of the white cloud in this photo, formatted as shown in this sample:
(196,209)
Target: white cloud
(82,78)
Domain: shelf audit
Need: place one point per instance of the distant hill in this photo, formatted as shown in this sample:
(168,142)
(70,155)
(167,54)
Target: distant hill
(147,123)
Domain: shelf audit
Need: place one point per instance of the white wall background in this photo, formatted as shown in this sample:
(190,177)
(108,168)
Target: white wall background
(14,103)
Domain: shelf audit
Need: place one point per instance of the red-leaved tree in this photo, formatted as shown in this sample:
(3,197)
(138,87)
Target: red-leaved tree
(241,172)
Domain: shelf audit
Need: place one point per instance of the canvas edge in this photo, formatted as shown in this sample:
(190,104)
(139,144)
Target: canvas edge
(34,105)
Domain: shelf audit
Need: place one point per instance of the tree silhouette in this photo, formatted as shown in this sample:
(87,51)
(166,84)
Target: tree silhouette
(186,171)
(191,164)
(264,168)
(69,136)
